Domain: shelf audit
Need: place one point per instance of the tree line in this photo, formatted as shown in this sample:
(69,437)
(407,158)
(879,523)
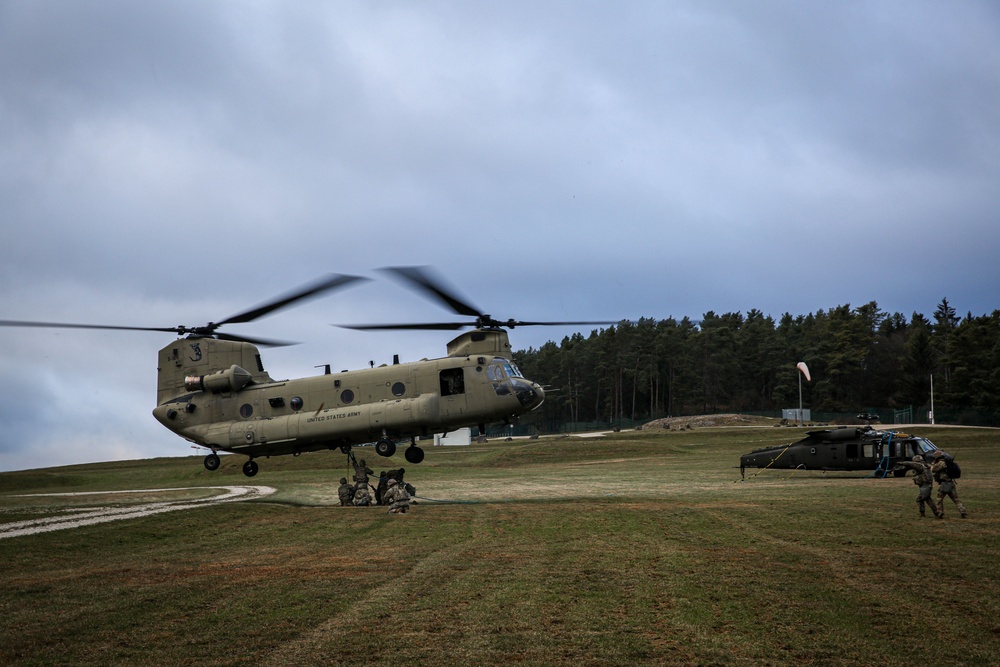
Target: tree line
(859,359)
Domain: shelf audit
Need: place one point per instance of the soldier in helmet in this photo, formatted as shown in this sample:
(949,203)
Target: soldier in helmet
(361,472)
(345,492)
(924,480)
(397,498)
(362,496)
(946,485)
(362,493)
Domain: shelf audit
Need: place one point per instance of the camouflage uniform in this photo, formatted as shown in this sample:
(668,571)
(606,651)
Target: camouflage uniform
(397,498)
(361,472)
(383,484)
(345,492)
(924,480)
(362,497)
(946,486)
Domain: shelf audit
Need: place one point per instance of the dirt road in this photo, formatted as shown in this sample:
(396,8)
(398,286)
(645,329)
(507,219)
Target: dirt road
(76,517)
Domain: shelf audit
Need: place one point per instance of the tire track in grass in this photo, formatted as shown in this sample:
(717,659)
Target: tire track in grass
(327,637)
(95,515)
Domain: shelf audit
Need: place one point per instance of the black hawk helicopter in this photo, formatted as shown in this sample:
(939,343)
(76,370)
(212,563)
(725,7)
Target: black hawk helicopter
(843,449)
(212,388)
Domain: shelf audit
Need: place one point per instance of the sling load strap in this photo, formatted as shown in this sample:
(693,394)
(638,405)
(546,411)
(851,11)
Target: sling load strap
(765,467)
(449,502)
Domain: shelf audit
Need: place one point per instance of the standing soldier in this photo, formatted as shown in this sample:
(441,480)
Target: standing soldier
(924,480)
(361,472)
(362,496)
(946,485)
(345,492)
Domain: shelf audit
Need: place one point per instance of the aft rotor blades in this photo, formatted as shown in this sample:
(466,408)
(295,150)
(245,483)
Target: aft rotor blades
(419,278)
(311,290)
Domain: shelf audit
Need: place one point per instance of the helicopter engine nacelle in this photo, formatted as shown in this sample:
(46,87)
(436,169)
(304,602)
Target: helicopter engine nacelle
(232,379)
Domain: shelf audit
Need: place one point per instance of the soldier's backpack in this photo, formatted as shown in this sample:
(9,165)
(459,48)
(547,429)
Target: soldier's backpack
(952,468)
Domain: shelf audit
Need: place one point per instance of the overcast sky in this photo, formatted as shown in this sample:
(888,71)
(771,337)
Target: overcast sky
(178,162)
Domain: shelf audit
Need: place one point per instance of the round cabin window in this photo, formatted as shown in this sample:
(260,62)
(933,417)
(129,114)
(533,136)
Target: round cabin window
(398,389)
(347,396)
(296,403)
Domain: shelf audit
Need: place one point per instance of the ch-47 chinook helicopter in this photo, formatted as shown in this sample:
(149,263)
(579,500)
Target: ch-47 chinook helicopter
(212,388)
(849,448)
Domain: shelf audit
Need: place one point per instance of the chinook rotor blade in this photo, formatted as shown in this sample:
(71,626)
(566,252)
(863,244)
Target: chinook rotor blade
(518,323)
(310,290)
(253,340)
(427,326)
(420,278)
(68,325)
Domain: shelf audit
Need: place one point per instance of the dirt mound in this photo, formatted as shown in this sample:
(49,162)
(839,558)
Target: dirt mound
(706,421)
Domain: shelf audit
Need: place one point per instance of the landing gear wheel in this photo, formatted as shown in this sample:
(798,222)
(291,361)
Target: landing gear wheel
(345,449)
(250,468)
(385,447)
(414,454)
(212,461)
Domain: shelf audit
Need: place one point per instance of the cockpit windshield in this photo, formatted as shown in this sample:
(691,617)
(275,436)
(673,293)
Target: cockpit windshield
(924,445)
(502,368)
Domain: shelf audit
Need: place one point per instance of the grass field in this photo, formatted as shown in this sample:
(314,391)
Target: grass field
(635,548)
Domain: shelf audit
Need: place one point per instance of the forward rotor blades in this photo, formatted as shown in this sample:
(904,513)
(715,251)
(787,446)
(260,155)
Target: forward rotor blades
(420,278)
(310,290)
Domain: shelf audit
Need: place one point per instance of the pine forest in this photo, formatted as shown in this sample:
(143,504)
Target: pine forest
(860,360)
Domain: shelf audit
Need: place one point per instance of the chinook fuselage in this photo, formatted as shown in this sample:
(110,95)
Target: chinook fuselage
(217,394)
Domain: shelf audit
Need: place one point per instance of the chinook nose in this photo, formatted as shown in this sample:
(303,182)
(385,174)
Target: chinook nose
(529,394)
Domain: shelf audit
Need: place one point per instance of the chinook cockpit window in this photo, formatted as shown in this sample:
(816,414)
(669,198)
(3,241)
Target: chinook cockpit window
(502,368)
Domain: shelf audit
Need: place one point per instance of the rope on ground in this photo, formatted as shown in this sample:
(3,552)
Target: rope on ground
(448,502)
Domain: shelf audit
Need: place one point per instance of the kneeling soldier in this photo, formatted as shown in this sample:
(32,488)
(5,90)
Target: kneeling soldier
(397,498)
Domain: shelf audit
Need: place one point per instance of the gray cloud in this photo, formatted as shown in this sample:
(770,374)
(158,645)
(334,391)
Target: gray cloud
(178,162)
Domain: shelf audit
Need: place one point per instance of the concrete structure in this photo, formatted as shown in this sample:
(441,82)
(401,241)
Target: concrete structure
(462,436)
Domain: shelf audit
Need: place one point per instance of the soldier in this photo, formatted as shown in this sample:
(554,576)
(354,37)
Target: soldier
(924,480)
(361,472)
(397,497)
(380,491)
(362,497)
(383,484)
(345,492)
(946,485)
